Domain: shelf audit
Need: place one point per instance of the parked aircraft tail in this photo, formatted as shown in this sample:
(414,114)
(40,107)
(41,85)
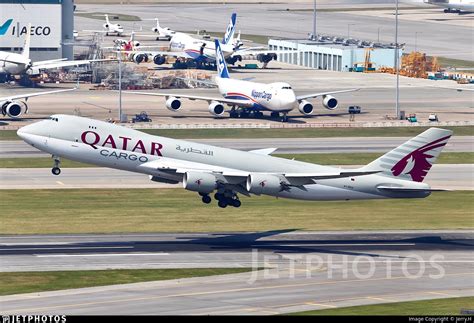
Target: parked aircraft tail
(220,62)
(26,45)
(413,159)
(229,33)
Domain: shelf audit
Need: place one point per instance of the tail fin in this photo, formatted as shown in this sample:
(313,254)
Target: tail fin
(157,24)
(107,19)
(220,62)
(413,159)
(26,45)
(229,33)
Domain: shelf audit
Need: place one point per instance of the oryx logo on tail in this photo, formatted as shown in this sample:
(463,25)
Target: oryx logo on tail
(229,33)
(220,61)
(5,26)
(418,162)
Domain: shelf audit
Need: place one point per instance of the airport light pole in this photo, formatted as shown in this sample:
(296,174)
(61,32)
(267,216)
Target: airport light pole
(416,38)
(120,85)
(348,30)
(315,37)
(397,70)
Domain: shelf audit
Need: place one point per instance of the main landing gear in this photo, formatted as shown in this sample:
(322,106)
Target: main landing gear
(224,199)
(56,170)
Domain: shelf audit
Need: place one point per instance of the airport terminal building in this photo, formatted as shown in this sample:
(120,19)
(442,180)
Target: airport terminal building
(52,24)
(331,56)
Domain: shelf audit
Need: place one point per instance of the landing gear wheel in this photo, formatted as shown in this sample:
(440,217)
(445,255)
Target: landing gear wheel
(284,118)
(236,203)
(222,204)
(206,199)
(56,170)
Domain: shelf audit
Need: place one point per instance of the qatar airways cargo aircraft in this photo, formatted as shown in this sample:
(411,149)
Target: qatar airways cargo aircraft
(207,169)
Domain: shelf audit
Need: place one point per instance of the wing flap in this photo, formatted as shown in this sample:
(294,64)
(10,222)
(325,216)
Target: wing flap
(410,189)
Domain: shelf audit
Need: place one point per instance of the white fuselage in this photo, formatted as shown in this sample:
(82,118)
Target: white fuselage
(278,96)
(13,63)
(194,48)
(463,5)
(109,145)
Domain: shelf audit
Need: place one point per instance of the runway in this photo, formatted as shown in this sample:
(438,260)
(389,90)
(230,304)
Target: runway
(305,270)
(19,149)
(447,176)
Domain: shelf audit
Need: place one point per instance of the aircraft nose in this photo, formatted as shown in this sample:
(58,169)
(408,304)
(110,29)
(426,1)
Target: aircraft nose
(24,131)
(27,131)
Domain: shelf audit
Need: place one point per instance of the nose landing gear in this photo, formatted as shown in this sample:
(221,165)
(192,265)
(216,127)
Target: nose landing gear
(56,170)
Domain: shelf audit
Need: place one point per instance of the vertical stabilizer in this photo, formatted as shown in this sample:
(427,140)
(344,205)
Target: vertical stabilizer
(229,33)
(26,45)
(413,159)
(220,62)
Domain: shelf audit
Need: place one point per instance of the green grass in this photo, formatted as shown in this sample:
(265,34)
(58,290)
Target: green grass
(321,159)
(177,210)
(284,133)
(444,306)
(29,282)
(455,63)
(100,16)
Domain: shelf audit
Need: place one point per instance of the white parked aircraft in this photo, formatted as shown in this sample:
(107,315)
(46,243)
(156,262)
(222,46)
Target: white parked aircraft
(193,51)
(13,107)
(163,32)
(245,96)
(457,6)
(111,28)
(19,64)
(206,169)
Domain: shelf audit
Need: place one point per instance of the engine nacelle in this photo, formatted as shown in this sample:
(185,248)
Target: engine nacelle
(233,59)
(199,182)
(173,104)
(263,184)
(136,44)
(216,108)
(305,107)
(265,58)
(139,58)
(106,25)
(159,59)
(13,109)
(154,29)
(329,102)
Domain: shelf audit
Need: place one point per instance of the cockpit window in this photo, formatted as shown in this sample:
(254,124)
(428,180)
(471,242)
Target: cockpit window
(54,119)
(286,88)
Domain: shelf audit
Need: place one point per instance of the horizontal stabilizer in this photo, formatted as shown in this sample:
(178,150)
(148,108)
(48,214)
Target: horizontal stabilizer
(264,151)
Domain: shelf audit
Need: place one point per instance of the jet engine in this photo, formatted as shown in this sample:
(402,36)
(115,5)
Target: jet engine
(139,58)
(216,108)
(263,184)
(106,26)
(233,59)
(173,104)
(159,59)
(14,109)
(305,107)
(155,29)
(329,102)
(199,182)
(265,58)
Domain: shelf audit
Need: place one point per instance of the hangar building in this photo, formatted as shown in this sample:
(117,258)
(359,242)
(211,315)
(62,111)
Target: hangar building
(332,56)
(52,25)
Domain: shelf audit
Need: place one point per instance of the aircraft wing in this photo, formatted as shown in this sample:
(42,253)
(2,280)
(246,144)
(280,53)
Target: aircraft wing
(154,53)
(182,166)
(59,64)
(241,103)
(28,95)
(313,95)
